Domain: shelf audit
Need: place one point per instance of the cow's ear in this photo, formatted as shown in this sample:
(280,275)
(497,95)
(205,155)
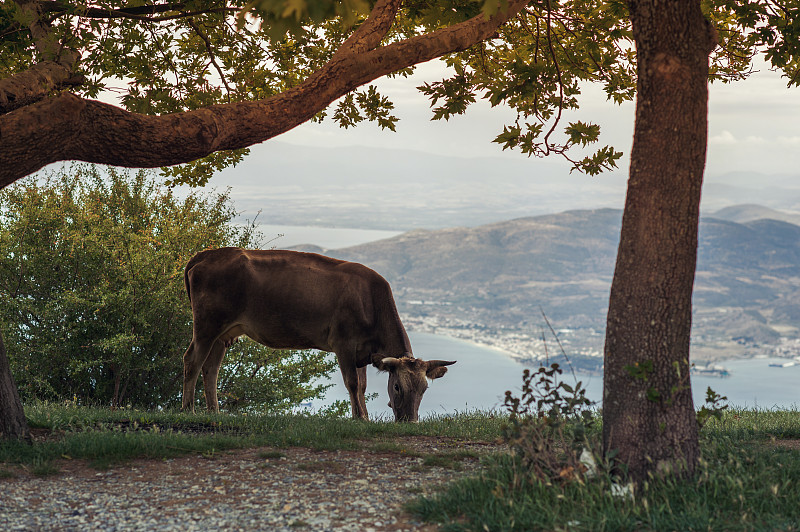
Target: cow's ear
(435,373)
(437,369)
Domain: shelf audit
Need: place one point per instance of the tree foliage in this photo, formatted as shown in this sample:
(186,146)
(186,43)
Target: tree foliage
(93,299)
(202,80)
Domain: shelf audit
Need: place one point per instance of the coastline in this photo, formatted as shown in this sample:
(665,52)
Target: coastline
(707,359)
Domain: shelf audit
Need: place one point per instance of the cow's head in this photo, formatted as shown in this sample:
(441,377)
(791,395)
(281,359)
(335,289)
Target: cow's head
(408,380)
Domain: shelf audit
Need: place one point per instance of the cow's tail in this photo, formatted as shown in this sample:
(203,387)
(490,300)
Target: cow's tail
(186,281)
(191,264)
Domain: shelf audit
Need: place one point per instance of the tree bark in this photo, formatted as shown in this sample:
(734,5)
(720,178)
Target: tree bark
(648,412)
(12,417)
(34,84)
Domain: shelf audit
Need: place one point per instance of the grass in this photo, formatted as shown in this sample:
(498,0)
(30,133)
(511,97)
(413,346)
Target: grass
(271,455)
(44,468)
(747,480)
(106,438)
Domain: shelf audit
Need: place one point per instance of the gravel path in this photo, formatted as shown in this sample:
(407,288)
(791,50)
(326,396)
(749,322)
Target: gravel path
(242,490)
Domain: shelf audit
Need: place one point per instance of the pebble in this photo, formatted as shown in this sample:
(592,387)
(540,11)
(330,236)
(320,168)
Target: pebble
(230,493)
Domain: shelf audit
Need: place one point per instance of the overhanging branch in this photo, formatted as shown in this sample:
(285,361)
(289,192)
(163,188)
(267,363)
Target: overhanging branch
(34,84)
(372,31)
(144,13)
(67,127)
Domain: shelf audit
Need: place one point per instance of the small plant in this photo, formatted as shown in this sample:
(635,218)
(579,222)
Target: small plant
(713,407)
(548,424)
(271,455)
(43,468)
(337,409)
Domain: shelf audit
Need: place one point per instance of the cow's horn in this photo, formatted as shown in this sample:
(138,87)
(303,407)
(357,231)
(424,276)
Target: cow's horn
(439,363)
(391,361)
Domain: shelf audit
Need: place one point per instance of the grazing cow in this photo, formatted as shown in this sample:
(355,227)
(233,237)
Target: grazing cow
(293,300)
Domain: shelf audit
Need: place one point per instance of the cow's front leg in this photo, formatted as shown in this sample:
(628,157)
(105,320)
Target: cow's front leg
(352,382)
(210,373)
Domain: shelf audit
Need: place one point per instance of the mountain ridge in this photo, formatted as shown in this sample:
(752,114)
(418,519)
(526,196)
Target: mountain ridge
(495,281)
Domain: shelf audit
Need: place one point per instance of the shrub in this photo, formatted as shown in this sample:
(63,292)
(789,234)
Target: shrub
(92,291)
(548,425)
(254,377)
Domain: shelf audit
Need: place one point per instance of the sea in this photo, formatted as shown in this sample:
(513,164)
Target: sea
(284,236)
(482,375)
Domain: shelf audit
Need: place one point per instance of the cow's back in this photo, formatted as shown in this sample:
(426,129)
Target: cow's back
(292,299)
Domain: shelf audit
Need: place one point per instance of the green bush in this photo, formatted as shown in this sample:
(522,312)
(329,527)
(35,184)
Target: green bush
(93,298)
(254,377)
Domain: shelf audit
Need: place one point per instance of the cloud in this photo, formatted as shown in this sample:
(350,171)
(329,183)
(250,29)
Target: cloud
(726,137)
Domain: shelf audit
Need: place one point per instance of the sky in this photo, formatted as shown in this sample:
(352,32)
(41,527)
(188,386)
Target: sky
(754,125)
(753,157)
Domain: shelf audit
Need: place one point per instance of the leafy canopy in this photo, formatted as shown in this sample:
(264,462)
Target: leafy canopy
(165,57)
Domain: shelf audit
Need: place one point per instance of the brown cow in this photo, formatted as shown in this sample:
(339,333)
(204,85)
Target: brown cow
(293,300)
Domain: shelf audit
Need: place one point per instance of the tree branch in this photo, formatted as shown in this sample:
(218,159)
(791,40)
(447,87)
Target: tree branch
(50,50)
(143,13)
(200,33)
(55,6)
(372,31)
(40,30)
(67,127)
(34,84)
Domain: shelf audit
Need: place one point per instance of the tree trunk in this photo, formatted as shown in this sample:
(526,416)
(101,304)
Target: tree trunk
(12,418)
(648,413)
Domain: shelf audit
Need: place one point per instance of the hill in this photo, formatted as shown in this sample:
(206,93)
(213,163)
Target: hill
(493,283)
(748,212)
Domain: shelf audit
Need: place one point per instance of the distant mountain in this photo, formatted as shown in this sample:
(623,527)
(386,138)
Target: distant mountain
(749,212)
(505,271)
(503,276)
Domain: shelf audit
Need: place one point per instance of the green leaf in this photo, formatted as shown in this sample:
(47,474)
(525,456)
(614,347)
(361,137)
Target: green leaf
(509,137)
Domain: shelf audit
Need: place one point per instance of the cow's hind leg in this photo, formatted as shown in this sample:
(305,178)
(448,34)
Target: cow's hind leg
(193,361)
(362,388)
(210,373)
(350,374)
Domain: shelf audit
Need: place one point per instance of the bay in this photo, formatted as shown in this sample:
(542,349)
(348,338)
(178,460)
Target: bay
(284,236)
(481,376)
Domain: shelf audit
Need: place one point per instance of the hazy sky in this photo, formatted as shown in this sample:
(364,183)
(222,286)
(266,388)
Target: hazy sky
(754,125)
